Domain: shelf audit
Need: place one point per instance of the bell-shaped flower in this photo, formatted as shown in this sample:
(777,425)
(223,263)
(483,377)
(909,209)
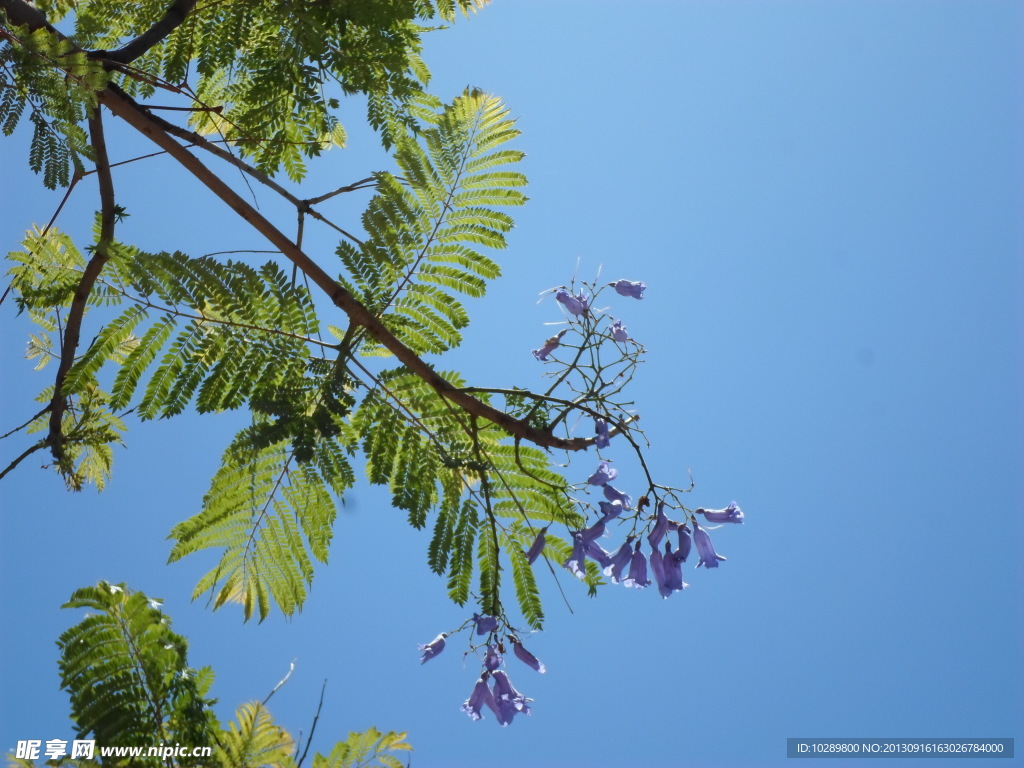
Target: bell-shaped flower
(594,532)
(708,557)
(604,474)
(658,570)
(597,553)
(538,546)
(527,658)
(614,495)
(492,659)
(549,346)
(433,648)
(577,562)
(618,331)
(508,701)
(731,514)
(610,509)
(485,624)
(684,544)
(661,525)
(480,697)
(602,439)
(630,288)
(673,571)
(637,576)
(576,305)
(618,562)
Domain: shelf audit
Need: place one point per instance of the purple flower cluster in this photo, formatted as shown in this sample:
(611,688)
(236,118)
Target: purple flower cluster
(578,305)
(501,698)
(628,565)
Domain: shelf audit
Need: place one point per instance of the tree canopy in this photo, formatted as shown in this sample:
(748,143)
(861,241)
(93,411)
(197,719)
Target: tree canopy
(337,358)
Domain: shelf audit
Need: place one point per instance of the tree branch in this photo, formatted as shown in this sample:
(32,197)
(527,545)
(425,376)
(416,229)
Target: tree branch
(172,18)
(128,110)
(72,333)
(119,103)
(22,13)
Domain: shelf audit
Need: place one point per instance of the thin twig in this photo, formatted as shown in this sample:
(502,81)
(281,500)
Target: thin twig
(361,184)
(283,680)
(77,177)
(18,429)
(313,727)
(28,452)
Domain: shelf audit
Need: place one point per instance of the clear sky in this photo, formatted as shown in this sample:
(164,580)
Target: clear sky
(825,200)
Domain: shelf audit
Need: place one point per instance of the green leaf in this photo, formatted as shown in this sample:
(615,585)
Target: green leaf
(255,740)
(128,676)
(272,516)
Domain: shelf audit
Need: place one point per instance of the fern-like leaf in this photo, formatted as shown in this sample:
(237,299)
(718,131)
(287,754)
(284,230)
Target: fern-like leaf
(255,740)
(272,515)
(128,676)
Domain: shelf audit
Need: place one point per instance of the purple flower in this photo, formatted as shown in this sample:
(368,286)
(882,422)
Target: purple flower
(479,698)
(492,659)
(629,288)
(549,346)
(577,562)
(660,528)
(658,570)
(673,571)
(618,331)
(596,552)
(509,702)
(618,561)
(537,546)
(431,649)
(610,510)
(684,544)
(594,532)
(527,658)
(614,495)
(708,557)
(584,543)
(637,570)
(603,440)
(604,474)
(577,305)
(485,624)
(731,514)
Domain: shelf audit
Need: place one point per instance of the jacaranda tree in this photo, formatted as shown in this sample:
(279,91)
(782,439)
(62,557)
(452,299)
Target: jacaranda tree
(332,355)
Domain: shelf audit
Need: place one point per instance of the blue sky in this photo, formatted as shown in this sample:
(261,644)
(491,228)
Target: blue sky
(825,201)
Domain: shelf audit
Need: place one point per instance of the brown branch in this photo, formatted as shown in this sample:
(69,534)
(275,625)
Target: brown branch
(21,13)
(172,18)
(158,131)
(136,116)
(25,454)
(72,333)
